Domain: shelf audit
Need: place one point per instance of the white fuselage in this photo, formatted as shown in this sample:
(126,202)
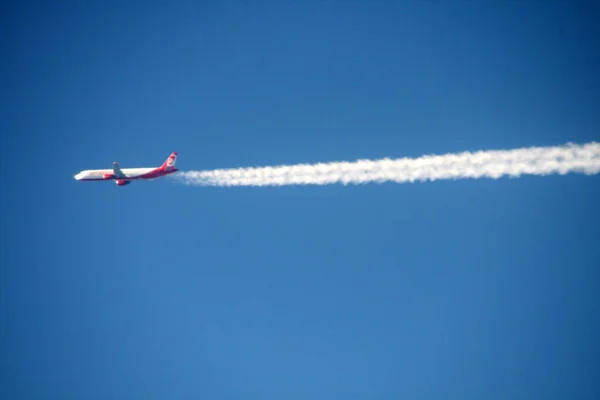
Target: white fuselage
(99,174)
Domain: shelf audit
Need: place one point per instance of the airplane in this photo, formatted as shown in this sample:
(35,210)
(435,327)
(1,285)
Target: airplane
(124,176)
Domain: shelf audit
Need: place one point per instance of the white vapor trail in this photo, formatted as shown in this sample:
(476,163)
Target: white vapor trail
(481,164)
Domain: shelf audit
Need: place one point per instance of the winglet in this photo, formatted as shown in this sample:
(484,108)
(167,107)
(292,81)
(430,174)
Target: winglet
(169,165)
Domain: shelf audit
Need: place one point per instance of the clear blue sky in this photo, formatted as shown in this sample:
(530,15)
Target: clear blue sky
(474,289)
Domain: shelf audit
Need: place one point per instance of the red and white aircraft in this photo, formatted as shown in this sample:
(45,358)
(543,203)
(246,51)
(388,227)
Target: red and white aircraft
(125,176)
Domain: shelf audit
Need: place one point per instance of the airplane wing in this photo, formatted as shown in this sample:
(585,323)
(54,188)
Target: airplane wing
(117,170)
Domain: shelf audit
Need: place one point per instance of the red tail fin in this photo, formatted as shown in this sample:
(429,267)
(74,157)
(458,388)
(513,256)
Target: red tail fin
(170,163)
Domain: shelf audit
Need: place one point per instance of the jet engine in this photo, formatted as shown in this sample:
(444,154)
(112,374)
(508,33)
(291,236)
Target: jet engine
(122,182)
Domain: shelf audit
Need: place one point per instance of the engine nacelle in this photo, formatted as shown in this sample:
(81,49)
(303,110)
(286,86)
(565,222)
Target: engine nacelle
(108,176)
(121,182)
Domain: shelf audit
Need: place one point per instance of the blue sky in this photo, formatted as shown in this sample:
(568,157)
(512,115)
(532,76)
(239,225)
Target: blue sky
(464,290)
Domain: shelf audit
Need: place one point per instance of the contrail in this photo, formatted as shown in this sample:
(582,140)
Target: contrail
(481,164)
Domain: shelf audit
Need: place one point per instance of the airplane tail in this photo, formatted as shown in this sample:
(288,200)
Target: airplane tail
(169,165)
